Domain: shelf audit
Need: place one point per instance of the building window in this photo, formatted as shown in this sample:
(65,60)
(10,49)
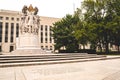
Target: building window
(42,47)
(41,39)
(7,18)
(41,34)
(12,32)
(45,27)
(17,30)
(50,47)
(1,26)
(41,27)
(12,18)
(6,32)
(11,48)
(45,40)
(45,33)
(1,18)
(17,19)
(50,40)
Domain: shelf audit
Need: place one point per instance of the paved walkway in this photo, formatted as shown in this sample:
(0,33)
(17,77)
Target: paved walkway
(93,70)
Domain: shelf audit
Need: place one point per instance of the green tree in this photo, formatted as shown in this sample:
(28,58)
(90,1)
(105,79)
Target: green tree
(63,33)
(93,16)
(115,7)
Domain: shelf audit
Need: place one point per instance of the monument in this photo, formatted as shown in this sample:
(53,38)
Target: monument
(28,41)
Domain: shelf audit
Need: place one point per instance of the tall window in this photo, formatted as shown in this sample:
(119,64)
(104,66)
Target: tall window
(45,27)
(1,26)
(12,32)
(45,40)
(17,30)
(6,32)
(50,40)
(50,37)
(41,27)
(45,34)
(41,37)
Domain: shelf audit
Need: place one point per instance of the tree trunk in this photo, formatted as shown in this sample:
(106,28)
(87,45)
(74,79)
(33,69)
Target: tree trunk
(100,48)
(106,47)
(118,48)
(83,46)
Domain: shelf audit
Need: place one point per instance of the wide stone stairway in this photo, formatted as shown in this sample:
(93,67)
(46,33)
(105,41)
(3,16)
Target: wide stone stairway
(43,59)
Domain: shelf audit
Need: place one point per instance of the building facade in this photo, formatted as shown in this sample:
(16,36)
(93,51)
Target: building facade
(9,31)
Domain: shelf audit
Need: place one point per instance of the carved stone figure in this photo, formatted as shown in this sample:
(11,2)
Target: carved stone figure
(29,20)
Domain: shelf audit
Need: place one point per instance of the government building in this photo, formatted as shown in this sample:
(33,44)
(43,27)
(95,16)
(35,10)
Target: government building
(9,31)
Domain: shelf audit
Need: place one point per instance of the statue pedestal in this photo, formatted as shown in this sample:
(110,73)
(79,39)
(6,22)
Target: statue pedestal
(28,41)
(28,44)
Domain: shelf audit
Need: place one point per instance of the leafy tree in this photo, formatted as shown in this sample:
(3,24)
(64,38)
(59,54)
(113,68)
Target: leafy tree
(94,16)
(63,33)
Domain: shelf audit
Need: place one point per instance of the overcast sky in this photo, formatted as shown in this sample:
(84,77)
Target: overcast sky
(50,8)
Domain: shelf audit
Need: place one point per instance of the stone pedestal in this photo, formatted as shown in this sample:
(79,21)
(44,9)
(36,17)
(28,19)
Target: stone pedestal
(28,44)
(28,41)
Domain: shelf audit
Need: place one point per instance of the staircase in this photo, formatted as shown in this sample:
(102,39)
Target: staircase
(43,59)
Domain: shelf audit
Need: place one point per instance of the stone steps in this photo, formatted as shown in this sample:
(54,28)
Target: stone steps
(12,60)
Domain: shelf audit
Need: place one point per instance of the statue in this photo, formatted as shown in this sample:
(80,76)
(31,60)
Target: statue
(28,41)
(29,20)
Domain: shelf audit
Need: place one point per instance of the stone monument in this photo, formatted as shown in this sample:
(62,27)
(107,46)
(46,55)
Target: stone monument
(28,41)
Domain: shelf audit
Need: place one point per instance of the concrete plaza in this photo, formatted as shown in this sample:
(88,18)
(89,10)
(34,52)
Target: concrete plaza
(91,70)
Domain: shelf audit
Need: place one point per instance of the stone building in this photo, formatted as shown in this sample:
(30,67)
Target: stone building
(9,30)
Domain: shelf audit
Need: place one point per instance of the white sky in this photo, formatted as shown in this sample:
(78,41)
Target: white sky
(50,8)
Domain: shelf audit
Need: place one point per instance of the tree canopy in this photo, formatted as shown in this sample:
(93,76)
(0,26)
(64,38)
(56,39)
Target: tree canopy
(97,22)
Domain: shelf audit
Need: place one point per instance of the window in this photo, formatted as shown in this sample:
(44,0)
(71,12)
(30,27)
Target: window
(42,47)
(6,32)
(41,39)
(7,18)
(17,30)
(1,26)
(17,19)
(45,40)
(45,33)
(11,48)
(41,27)
(50,40)
(1,18)
(41,34)
(12,32)
(12,18)
(50,47)
(45,27)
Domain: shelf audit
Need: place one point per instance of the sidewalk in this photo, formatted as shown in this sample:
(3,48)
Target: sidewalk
(93,70)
